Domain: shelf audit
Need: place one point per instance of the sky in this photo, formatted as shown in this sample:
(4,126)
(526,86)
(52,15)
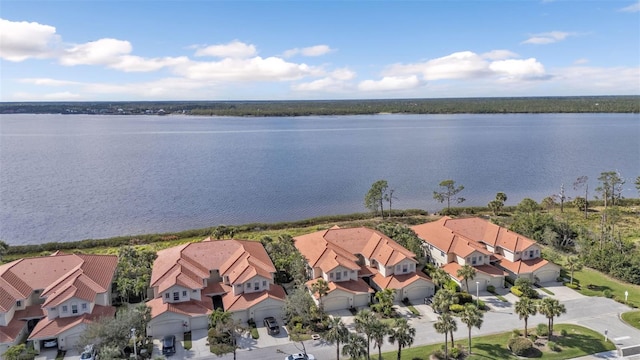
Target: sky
(120,50)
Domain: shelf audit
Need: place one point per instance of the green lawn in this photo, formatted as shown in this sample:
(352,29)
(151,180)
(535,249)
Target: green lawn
(632,318)
(579,341)
(603,282)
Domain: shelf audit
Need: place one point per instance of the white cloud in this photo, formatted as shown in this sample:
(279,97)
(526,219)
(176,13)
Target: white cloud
(47,82)
(337,81)
(254,69)
(632,8)
(518,69)
(598,80)
(317,50)
(22,40)
(547,38)
(129,63)
(581,61)
(458,65)
(234,49)
(391,83)
(499,54)
(99,52)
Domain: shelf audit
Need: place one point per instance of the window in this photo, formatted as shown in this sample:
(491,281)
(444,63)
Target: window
(338,275)
(194,291)
(331,276)
(176,295)
(405,268)
(19,303)
(74,308)
(53,309)
(166,295)
(398,268)
(441,253)
(248,285)
(345,273)
(184,293)
(256,286)
(65,308)
(264,283)
(84,306)
(473,260)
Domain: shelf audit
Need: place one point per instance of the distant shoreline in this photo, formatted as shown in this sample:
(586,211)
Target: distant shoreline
(512,105)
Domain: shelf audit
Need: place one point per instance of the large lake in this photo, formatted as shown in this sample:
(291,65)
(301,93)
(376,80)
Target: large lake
(73,177)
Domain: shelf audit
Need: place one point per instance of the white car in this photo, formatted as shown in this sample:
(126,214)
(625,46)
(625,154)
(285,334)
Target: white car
(88,354)
(300,357)
(50,343)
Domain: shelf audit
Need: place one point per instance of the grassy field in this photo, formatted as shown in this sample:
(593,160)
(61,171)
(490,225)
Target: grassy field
(601,282)
(579,341)
(632,318)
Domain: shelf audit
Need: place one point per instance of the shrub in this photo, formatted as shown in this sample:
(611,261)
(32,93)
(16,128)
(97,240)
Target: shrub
(542,330)
(481,304)
(516,291)
(563,332)
(455,353)
(453,286)
(533,338)
(464,298)
(560,279)
(515,333)
(572,286)
(520,346)
(456,308)
(553,346)
(491,289)
(607,293)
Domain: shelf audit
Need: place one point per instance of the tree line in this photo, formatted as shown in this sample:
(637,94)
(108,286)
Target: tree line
(577,104)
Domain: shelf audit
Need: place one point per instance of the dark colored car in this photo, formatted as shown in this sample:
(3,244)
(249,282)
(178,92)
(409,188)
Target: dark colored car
(169,345)
(272,325)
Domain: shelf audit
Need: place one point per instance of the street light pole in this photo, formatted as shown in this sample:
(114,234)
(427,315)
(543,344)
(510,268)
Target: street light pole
(133,335)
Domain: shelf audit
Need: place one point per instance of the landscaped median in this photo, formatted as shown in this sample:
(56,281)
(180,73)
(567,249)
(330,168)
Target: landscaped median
(578,341)
(632,318)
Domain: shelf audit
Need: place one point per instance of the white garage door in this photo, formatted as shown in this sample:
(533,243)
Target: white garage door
(260,314)
(546,275)
(70,341)
(417,293)
(337,303)
(173,327)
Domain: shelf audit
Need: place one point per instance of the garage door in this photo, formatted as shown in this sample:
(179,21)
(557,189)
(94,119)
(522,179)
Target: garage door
(173,327)
(260,314)
(417,293)
(337,303)
(71,341)
(546,276)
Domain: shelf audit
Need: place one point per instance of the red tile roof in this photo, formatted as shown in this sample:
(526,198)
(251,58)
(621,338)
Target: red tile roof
(188,308)
(523,266)
(351,286)
(337,247)
(57,274)
(245,301)
(399,281)
(189,265)
(47,328)
(452,269)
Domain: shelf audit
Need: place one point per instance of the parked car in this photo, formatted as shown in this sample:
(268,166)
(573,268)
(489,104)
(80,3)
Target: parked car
(300,357)
(50,343)
(169,345)
(272,325)
(89,353)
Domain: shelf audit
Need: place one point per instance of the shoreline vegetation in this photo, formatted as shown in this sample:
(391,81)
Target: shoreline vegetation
(512,105)
(256,231)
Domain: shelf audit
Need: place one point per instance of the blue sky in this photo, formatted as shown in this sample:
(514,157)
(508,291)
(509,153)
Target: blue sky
(278,50)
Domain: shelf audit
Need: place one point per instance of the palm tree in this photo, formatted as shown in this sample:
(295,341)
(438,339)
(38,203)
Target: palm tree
(471,317)
(439,277)
(551,308)
(573,263)
(336,334)
(467,272)
(355,346)
(365,320)
(525,308)
(443,299)
(403,334)
(322,288)
(445,325)
(379,330)
(385,302)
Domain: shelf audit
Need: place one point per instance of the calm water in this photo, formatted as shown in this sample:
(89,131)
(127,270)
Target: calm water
(66,178)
